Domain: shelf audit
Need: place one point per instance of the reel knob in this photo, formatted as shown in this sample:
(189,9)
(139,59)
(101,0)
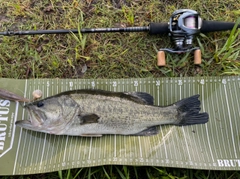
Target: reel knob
(197,57)
(161,61)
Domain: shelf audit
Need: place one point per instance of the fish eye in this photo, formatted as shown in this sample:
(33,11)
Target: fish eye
(40,104)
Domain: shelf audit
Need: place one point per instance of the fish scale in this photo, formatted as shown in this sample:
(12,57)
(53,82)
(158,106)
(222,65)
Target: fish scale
(110,109)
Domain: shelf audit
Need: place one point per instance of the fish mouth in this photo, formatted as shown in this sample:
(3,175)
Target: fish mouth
(24,124)
(33,121)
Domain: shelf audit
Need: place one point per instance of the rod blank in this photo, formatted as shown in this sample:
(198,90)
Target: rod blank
(153,28)
(85,30)
(126,29)
(37,32)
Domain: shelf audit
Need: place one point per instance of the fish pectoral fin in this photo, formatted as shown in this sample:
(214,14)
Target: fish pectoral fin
(147,132)
(91,135)
(88,118)
(142,97)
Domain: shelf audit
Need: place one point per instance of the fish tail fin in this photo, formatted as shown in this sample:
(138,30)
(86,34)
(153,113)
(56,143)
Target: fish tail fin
(189,112)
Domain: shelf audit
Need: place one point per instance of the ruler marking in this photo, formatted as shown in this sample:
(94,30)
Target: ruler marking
(140,147)
(176,136)
(20,135)
(206,127)
(65,149)
(52,148)
(180,91)
(45,135)
(218,107)
(215,122)
(196,156)
(224,118)
(81,141)
(71,148)
(170,128)
(230,121)
(22,144)
(238,104)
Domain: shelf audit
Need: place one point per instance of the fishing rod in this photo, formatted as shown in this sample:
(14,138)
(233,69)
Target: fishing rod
(183,26)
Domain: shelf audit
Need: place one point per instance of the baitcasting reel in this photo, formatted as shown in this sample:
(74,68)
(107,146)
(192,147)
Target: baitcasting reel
(184,24)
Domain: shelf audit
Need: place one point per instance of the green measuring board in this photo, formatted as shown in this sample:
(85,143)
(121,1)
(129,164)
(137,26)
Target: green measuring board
(214,145)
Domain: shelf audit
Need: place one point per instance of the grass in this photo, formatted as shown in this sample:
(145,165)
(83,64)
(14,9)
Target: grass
(129,172)
(113,55)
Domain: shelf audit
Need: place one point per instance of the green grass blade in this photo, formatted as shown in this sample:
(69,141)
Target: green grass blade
(60,174)
(77,174)
(69,175)
(105,172)
(120,173)
(89,172)
(126,171)
(231,38)
(135,172)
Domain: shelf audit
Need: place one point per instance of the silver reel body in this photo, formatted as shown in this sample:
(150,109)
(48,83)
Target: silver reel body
(184,24)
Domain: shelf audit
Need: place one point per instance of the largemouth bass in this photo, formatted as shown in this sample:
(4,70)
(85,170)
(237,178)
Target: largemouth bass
(98,112)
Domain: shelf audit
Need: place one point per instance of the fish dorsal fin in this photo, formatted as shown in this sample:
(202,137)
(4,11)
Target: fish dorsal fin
(142,97)
(88,118)
(138,97)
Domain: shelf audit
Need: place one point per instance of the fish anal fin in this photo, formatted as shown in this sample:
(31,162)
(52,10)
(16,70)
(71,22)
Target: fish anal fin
(147,132)
(88,118)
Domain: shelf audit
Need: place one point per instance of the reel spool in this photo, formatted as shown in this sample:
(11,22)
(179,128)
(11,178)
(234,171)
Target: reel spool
(184,24)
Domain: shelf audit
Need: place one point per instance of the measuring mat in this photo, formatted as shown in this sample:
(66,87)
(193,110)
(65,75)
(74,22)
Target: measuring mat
(212,146)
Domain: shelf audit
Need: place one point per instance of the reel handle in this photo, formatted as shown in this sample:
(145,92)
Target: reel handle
(207,26)
(158,28)
(213,26)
